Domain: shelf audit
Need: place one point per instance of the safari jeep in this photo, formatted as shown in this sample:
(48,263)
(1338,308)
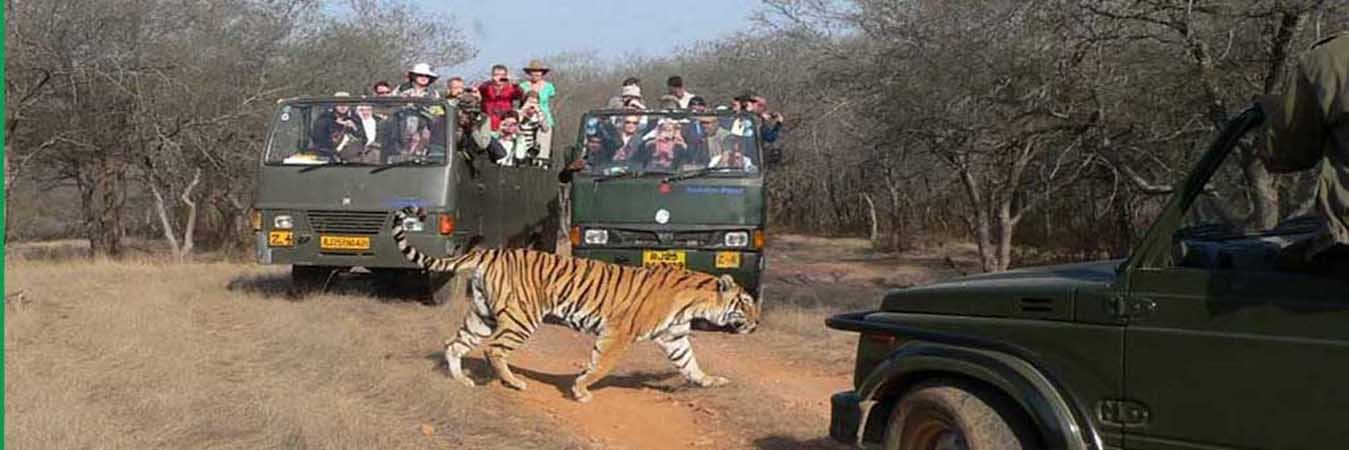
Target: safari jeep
(1195,341)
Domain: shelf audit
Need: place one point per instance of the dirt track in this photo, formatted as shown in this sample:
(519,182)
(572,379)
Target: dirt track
(139,355)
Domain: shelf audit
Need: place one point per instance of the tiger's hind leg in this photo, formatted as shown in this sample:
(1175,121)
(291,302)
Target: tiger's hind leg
(677,348)
(478,325)
(608,348)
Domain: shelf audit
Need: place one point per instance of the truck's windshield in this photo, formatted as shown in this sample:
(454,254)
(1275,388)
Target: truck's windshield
(667,142)
(359,131)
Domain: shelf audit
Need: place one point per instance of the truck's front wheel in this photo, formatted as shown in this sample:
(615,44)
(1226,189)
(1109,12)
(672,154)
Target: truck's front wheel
(956,416)
(306,279)
(441,288)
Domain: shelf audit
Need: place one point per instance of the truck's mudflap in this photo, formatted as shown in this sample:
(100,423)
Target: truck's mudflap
(845,417)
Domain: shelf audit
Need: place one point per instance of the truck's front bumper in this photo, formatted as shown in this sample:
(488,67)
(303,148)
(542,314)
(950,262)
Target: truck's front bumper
(383,251)
(747,273)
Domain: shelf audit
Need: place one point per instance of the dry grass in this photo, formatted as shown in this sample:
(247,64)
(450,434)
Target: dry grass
(144,355)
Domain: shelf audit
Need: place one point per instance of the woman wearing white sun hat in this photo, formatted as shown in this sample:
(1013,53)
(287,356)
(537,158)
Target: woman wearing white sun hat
(419,84)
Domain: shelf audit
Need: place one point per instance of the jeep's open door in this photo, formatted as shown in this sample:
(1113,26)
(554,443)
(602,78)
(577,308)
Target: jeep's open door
(1223,350)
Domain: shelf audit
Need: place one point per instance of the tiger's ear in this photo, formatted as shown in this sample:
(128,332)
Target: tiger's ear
(726,283)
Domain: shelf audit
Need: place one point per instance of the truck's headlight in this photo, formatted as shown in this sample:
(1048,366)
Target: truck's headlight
(737,239)
(597,237)
(412,224)
(282,222)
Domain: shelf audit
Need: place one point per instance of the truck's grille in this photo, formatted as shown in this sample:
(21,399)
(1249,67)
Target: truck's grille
(695,238)
(634,237)
(347,222)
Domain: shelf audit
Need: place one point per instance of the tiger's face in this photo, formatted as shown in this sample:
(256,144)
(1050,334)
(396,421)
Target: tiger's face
(740,310)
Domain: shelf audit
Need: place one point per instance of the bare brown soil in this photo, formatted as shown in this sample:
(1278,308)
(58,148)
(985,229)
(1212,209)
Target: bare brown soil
(151,355)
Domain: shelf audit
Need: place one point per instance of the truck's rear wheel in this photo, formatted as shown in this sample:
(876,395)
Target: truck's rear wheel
(957,416)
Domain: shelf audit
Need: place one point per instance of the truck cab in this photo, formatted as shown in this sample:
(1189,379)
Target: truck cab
(335,168)
(1201,338)
(671,187)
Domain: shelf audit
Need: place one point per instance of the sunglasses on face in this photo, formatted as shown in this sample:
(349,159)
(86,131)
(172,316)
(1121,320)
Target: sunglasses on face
(631,122)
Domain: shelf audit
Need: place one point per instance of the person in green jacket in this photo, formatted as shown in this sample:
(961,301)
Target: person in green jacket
(535,83)
(1307,126)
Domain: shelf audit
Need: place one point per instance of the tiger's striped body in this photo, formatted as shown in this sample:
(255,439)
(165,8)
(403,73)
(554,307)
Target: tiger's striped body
(514,290)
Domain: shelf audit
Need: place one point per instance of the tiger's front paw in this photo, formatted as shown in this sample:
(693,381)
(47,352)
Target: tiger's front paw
(712,381)
(466,381)
(581,395)
(514,384)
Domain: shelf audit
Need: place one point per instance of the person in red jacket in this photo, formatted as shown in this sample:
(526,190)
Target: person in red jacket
(499,95)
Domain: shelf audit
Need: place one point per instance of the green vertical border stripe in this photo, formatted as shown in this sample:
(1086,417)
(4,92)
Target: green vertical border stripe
(2,225)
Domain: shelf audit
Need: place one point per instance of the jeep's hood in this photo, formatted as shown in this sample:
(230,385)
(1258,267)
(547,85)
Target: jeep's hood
(702,201)
(1038,292)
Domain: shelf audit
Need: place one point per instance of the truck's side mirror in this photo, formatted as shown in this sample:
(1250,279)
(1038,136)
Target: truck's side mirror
(773,155)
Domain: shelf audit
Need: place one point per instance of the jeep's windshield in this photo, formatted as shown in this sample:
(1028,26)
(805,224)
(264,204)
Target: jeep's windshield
(633,142)
(359,131)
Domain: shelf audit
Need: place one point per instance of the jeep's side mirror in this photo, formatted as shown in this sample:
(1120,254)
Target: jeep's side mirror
(773,155)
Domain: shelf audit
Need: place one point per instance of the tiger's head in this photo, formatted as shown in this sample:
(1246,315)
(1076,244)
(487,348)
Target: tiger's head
(739,311)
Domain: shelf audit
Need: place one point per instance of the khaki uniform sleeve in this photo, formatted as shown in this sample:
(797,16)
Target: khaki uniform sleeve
(1296,134)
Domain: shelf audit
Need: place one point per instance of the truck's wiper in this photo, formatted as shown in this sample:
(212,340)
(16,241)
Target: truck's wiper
(601,179)
(335,162)
(697,173)
(406,162)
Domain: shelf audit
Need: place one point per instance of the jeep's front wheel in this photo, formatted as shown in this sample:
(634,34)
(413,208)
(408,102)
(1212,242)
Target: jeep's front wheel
(956,416)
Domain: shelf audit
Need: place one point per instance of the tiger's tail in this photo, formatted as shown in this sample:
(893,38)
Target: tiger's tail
(449,264)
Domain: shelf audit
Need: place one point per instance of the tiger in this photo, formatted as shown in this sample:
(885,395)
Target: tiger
(514,290)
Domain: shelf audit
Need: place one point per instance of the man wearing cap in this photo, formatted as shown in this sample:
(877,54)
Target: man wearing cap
(1308,126)
(751,102)
(626,93)
(499,95)
(419,82)
(675,84)
(535,72)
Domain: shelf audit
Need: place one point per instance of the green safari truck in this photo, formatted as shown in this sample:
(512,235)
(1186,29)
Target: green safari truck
(327,189)
(1200,339)
(671,187)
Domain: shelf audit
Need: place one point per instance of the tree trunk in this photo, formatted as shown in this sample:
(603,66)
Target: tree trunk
(982,228)
(103,209)
(190,229)
(1006,226)
(875,235)
(165,224)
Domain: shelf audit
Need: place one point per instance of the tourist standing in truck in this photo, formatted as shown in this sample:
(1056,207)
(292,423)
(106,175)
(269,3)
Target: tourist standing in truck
(498,95)
(535,83)
(420,78)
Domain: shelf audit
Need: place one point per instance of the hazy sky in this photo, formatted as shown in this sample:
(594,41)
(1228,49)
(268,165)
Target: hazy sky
(512,32)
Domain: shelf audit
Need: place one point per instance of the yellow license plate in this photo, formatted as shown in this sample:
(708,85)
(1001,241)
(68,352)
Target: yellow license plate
(651,258)
(728,260)
(280,239)
(344,242)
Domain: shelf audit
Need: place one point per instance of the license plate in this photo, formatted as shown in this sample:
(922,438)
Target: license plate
(344,242)
(728,260)
(280,239)
(652,258)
